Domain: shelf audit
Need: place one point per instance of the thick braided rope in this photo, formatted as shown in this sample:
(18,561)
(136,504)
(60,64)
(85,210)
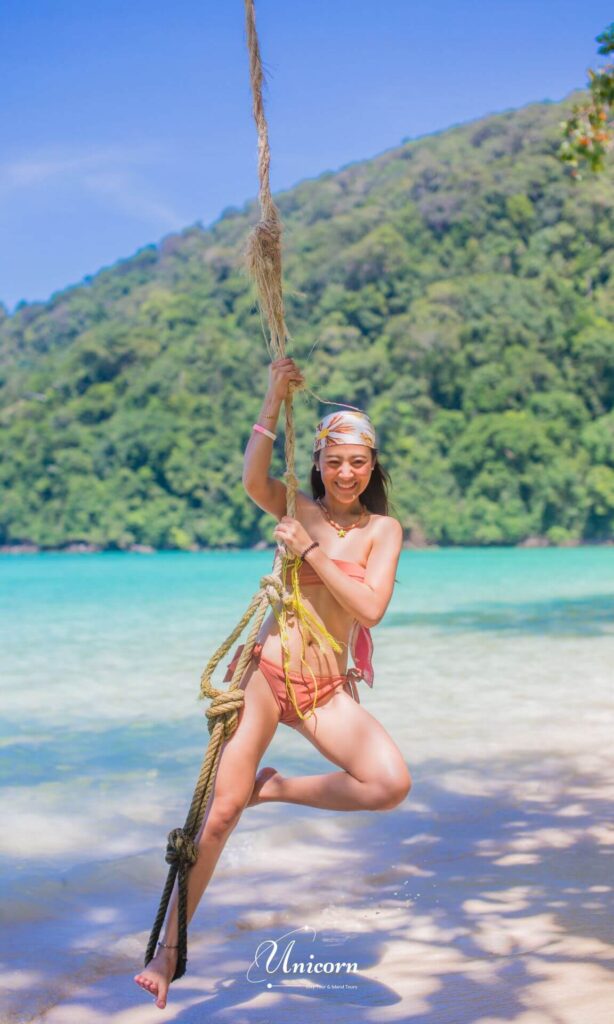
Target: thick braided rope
(223,716)
(264,263)
(263,247)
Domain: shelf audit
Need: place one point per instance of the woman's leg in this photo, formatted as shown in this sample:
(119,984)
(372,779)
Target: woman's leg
(234,781)
(374,777)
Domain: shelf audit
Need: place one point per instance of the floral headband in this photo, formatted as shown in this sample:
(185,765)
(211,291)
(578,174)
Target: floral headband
(344,428)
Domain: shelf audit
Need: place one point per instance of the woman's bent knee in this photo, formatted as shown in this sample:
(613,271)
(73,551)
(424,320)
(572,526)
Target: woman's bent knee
(392,791)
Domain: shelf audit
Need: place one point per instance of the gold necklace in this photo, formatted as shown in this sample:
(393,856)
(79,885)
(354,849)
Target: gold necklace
(341,530)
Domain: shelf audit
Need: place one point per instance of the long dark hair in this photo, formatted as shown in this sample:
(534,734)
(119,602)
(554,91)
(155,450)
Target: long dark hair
(375,494)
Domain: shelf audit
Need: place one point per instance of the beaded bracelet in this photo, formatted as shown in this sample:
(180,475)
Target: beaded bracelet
(316,544)
(263,430)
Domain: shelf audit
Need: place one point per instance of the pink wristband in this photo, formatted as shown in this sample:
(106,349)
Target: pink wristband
(263,430)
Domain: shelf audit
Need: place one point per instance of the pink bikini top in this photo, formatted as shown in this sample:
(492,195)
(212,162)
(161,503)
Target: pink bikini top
(309,577)
(360,642)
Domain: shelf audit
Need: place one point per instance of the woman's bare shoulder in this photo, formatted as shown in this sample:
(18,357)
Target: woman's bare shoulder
(305,501)
(386,525)
(386,535)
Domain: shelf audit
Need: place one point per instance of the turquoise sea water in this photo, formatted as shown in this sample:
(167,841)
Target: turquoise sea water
(482,654)
(102,654)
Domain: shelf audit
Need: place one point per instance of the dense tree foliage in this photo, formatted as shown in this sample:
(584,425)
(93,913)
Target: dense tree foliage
(457,287)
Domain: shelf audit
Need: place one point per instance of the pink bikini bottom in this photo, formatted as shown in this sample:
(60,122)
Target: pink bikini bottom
(304,689)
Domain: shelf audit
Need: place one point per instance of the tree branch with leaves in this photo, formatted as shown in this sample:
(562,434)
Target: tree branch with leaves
(588,134)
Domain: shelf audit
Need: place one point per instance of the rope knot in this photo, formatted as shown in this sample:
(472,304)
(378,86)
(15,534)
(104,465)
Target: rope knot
(225,706)
(272,585)
(275,591)
(181,850)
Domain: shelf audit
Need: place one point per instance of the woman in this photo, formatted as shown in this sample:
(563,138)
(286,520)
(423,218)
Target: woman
(350,551)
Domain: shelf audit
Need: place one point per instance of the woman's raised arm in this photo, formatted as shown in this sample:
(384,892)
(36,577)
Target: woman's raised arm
(269,494)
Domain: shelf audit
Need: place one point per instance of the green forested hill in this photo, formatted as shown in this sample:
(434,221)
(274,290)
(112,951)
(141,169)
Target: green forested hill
(458,287)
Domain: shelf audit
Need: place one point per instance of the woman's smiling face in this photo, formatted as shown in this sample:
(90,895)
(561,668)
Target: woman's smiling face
(345,470)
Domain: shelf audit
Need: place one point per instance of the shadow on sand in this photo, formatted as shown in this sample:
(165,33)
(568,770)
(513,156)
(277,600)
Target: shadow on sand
(486,896)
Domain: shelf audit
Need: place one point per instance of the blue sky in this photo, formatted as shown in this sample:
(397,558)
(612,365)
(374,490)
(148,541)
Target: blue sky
(126,121)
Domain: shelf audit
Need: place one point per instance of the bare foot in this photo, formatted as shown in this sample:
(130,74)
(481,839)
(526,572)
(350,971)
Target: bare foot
(156,977)
(266,787)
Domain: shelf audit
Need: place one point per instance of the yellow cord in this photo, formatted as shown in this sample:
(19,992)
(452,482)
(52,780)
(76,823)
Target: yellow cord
(307,624)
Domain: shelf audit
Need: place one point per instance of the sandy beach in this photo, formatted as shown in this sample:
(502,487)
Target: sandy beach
(485,898)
